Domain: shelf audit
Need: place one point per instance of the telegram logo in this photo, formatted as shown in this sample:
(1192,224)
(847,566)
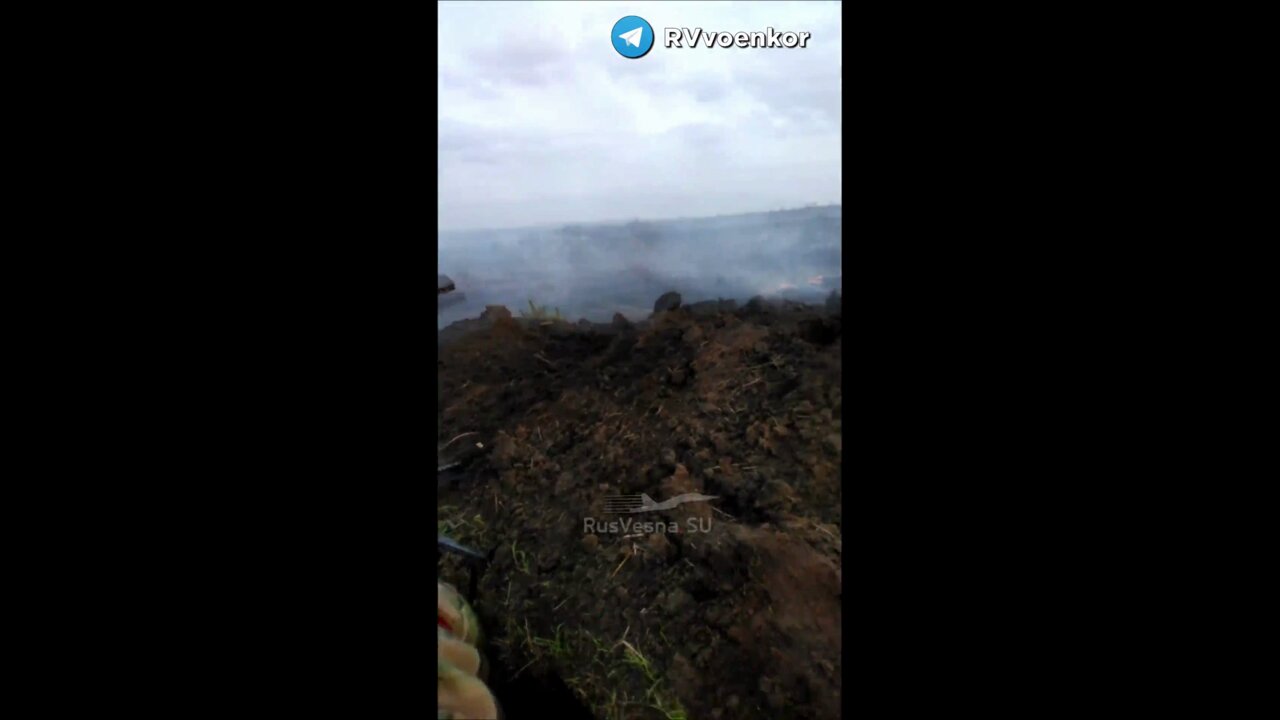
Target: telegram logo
(632,37)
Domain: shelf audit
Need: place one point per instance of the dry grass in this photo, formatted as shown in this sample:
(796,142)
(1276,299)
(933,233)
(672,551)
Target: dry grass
(541,312)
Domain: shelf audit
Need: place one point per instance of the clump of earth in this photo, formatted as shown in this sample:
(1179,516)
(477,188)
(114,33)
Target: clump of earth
(725,605)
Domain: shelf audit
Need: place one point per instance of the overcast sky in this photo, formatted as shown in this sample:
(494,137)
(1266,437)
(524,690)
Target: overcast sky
(542,121)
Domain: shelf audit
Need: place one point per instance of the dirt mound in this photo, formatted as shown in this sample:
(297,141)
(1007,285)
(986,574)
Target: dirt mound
(721,608)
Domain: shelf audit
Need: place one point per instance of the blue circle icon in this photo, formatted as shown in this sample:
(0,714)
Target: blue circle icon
(632,37)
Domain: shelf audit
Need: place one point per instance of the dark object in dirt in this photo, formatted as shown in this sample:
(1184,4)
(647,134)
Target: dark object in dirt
(459,451)
(668,301)
(453,477)
(527,696)
(493,312)
(473,559)
(620,321)
(448,544)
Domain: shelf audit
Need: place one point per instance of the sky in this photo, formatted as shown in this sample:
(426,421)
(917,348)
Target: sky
(542,122)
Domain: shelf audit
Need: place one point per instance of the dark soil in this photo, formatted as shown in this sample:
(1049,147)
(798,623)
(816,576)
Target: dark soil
(740,621)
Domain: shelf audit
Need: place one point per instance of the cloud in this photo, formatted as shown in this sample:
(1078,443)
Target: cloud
(541,121)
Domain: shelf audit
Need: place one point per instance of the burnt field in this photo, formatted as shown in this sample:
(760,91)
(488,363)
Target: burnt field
(593,271)
(727,607)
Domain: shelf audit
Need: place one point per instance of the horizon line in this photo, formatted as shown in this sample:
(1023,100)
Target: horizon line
(624,221)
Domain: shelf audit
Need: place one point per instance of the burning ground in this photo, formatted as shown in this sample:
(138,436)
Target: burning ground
(593,271)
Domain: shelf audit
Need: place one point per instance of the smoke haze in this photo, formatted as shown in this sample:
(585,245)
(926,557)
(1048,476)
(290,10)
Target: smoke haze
(551,145)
